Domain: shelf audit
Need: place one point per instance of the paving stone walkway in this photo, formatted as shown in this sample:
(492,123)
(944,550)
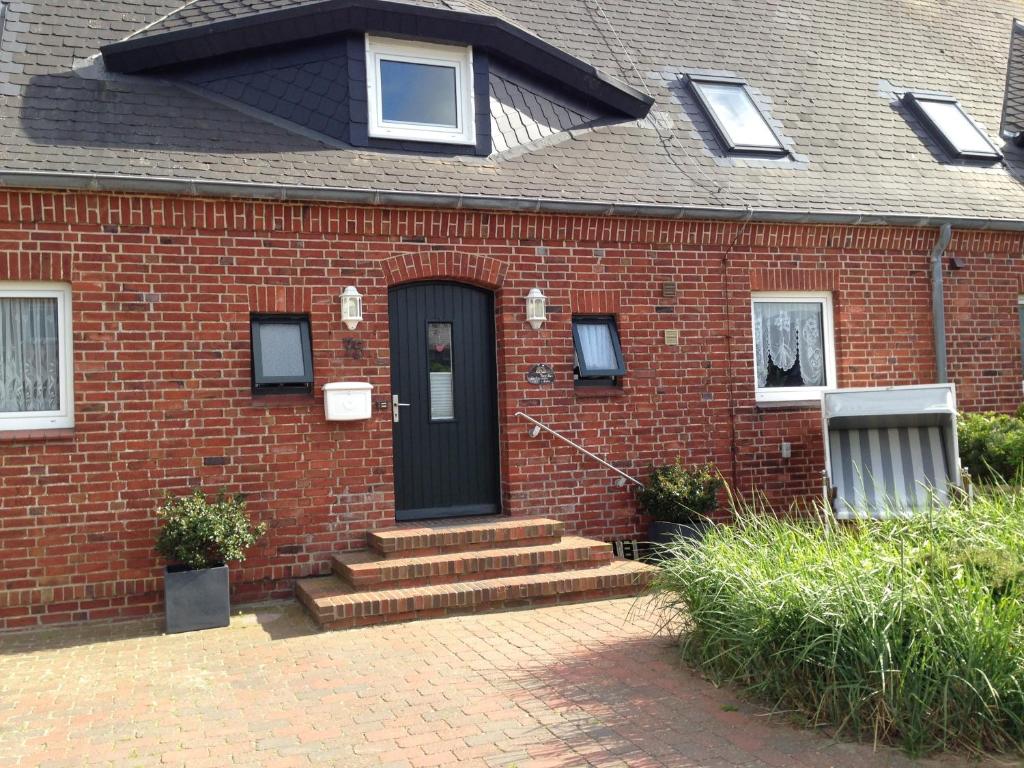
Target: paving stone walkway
(576,685)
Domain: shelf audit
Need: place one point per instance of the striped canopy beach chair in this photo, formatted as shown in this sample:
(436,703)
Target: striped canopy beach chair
(890,450)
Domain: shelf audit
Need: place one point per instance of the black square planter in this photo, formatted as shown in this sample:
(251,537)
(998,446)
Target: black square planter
(196,599)
(661,532)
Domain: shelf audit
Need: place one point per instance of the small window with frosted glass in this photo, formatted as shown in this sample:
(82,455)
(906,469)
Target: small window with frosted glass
(440,371)
(282,354)
(794,350)
(598,352)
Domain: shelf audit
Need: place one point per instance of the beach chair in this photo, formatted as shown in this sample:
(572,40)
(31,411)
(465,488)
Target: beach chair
(890,450)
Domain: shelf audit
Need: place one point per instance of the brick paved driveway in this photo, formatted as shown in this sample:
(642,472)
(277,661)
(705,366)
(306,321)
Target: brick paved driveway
(578,685)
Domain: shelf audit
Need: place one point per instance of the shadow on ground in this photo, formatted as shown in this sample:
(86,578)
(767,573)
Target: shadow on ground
(280,620)
(633,701)
(72,636)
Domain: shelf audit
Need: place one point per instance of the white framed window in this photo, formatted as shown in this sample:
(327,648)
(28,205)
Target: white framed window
(420,91)
(36,389)
(794,345)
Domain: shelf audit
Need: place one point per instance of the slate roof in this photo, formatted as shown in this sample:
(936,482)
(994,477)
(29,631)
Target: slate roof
(828,73)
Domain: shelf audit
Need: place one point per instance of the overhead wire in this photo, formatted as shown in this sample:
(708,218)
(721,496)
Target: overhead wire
(669,141)
(724,258)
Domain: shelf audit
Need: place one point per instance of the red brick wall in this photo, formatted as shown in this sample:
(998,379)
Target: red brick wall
(984,348)
(163,288)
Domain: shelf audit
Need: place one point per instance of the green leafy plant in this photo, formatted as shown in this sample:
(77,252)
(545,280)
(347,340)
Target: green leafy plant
(992,445)
(907,631)
(677,494)
(200,533)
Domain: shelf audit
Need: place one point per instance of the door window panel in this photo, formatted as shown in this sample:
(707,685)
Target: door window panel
(439,364)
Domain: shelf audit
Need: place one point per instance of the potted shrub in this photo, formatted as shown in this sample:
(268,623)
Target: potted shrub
(679,500)
(199,537)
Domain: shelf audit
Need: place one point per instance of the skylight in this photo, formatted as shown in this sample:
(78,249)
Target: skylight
(739,123)
(952,126)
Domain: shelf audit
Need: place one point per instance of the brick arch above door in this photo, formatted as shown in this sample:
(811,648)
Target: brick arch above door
(474,269)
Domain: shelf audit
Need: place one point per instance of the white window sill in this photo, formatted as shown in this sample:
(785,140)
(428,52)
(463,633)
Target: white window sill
(790,395)
(9,423)
(423,136)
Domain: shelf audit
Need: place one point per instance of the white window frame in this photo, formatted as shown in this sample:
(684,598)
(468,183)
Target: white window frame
(459,58)
(64,416)
(791,394)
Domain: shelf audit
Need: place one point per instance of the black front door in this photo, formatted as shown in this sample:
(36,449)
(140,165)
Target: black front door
(444,400)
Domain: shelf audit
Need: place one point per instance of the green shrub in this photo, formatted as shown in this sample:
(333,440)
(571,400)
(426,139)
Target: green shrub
(199,533)
(903,631)
(992,445)
(677,494)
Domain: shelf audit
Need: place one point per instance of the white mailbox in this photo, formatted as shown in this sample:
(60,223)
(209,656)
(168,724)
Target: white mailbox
(347,400)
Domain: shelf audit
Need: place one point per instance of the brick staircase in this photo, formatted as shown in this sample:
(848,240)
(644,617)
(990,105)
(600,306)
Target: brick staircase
(430,570)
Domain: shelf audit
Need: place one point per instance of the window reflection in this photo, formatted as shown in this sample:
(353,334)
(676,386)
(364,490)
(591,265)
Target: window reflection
(418,93)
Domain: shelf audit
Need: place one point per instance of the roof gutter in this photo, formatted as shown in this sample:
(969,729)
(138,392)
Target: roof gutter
(939,305)
(157,185)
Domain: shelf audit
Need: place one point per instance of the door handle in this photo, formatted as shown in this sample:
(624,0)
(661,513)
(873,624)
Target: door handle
(395,405)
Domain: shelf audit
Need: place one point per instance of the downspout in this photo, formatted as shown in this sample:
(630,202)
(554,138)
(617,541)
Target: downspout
(938,304)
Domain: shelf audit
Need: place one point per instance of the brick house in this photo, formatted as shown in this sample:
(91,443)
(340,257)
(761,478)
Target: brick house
(187,190)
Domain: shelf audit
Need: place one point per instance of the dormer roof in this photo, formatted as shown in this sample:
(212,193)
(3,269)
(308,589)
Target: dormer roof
(208,29)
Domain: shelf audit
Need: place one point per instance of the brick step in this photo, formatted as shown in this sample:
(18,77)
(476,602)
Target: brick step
(337,605)
(437,539)
(366,569)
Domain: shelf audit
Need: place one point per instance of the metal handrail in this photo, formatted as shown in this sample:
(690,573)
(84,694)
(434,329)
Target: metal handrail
(537,426)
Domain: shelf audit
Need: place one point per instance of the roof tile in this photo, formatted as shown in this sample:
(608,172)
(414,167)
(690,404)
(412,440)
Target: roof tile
(827,68)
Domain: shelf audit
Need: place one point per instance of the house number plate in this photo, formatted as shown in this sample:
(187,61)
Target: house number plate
(541,374)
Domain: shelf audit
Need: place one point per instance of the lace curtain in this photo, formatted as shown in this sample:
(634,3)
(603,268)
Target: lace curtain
(597,348)
(29,355)
(785,332)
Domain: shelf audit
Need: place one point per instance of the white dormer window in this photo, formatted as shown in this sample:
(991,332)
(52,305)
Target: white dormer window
(420,91)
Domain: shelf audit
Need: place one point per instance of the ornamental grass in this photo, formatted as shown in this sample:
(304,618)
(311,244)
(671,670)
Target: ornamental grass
(908,631)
